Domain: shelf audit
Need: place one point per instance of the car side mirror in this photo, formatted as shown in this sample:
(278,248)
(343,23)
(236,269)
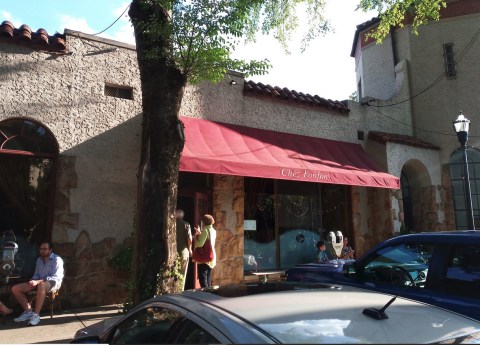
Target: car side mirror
(91,339)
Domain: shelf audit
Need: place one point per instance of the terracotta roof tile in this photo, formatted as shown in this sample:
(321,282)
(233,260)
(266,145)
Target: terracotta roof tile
(38,40)
(294,96)
(384,137)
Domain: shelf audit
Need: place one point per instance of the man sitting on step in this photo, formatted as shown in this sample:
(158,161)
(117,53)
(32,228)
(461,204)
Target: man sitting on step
(47,277)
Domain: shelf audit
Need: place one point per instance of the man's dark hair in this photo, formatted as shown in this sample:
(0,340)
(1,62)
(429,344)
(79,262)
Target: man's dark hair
(319,244)
(50,245)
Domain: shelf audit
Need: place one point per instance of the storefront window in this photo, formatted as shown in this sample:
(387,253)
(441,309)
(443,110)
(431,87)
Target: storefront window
(298,221)
(285,219)
(260,244)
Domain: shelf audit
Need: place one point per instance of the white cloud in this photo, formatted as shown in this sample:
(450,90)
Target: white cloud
(73,23)
(124,29)
(325,68)
(125,34)
(120,9)
(8,16)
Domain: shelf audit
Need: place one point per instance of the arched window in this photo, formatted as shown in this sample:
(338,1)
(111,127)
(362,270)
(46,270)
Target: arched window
(28,155)
(458,186)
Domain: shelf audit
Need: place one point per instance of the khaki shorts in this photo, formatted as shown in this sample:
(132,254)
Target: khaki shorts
(51,283)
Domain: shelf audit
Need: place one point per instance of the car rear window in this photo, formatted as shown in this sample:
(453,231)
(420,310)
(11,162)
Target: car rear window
(463,272)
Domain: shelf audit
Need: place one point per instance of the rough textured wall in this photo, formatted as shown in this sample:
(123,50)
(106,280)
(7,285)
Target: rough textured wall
(446,199)
(372,217)
(98,135)
(377,70)
(89,279)
(228,206)
(99,141)
(444,100)
(432,95)
(423,170)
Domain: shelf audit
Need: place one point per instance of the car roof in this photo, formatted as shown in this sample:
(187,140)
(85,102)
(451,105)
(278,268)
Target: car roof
(324,313)
(438,236)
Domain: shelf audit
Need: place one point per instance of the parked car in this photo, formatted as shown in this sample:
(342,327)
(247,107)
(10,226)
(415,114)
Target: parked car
(283,312)
(439,268)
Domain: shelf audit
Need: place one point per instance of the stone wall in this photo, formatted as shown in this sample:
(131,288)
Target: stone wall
(378,224)
(228,206)
(89,279)
(446,199)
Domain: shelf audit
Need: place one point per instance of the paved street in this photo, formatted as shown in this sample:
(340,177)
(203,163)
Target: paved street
(58,330)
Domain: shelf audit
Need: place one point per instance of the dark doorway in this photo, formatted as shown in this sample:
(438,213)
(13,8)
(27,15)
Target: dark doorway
(28,156)
(407,204)
(194,195)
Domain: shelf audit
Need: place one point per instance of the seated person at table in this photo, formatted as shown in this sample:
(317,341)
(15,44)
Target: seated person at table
(47,277)
(322,252)
(347,251)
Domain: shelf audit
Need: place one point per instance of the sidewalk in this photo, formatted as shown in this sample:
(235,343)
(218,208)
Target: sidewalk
(58,330)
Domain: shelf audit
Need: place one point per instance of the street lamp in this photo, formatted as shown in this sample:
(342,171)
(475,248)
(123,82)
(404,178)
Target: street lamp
(461,125)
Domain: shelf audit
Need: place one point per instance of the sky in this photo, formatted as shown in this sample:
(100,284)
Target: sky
(325,68)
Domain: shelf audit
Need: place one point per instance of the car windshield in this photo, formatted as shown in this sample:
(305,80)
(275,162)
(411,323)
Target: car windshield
(403,264)
(401,254)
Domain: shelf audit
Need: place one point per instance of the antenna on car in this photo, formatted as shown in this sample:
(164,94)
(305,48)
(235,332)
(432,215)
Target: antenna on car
(378,314)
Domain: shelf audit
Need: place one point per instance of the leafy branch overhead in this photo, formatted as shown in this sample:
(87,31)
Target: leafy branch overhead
(392,13)
(205,33)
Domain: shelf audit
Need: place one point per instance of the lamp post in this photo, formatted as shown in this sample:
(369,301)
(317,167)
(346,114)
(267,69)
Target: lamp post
(461,125)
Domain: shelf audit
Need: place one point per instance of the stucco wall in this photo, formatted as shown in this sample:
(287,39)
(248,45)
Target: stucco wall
(65,93)
(431,94)
(444,100)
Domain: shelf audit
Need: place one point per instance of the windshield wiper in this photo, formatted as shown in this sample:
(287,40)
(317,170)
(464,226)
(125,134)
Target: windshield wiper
(378,314)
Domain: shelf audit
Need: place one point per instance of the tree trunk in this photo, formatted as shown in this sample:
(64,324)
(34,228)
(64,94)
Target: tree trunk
(162,91)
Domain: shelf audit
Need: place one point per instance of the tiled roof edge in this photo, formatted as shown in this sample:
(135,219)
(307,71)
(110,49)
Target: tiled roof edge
(294,96)
(360,28)
(384,137)
(96,38)
(37,40)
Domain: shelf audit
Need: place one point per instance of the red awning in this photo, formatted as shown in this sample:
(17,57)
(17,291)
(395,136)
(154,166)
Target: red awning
(220,148)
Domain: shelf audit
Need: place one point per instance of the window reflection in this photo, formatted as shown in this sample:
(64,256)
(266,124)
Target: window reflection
(284,220)
(458,186)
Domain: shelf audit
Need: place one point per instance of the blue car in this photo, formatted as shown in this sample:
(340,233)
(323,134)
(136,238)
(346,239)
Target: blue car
(439,268)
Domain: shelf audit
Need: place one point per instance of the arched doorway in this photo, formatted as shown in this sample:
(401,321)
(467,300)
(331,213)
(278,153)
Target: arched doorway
(28,157)
(416,197)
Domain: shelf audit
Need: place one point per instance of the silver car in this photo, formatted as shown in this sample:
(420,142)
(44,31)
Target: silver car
(282,313)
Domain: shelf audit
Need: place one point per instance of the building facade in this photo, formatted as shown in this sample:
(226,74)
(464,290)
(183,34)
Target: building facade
(277,168)
(419,84)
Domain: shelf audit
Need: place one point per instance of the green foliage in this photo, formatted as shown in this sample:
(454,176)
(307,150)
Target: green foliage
(392,13)
(203,34)
(170,278)
(123,260)
(353,96)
